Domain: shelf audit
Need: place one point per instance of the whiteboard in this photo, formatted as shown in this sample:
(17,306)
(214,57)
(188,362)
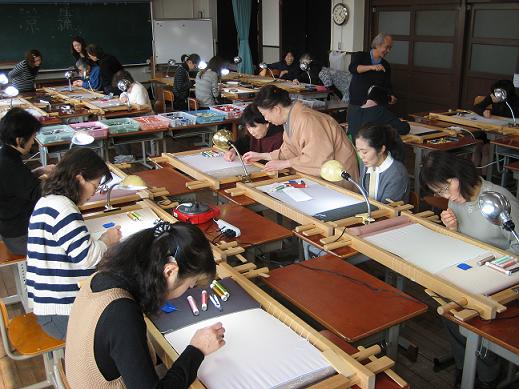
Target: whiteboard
(174,37)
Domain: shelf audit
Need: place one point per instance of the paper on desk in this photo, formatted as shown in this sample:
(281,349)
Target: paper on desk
(296,194)
(417,129)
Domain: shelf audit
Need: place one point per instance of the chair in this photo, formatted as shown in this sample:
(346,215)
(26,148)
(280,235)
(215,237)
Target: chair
(60,367)
(18,266)
(23,338)
(437,202)
(167,97)
(192,104)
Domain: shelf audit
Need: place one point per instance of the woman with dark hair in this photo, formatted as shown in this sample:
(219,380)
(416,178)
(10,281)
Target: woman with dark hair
(311,75)
(288,67)
(261,137)
(21,188)
(375,111)
(136,93)
(310,138)
(207,90)
(24,73)
(60,251)
(136,278)
(78,48)
(108,65)
(182,83)
(90,74)
(499,108)
(383,175)
(457,180)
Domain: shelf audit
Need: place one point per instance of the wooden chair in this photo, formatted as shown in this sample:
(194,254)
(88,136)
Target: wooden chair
(17,263)
(192,104)
(437,203)
(23,338)
(167,97)
(60,366)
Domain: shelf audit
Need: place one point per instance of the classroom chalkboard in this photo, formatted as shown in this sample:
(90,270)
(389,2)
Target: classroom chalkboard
(122,29)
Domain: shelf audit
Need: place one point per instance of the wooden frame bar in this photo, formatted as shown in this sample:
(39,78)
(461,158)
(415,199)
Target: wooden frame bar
(309,224)
(204,180)
(473,304)
(423,138)
(451,117)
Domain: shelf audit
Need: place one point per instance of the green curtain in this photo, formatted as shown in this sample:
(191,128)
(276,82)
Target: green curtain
(242,12)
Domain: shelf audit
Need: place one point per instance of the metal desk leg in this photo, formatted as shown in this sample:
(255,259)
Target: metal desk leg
(392,342)
(43,155)
(418,156)
(493,154)
(470,362)
(506,161)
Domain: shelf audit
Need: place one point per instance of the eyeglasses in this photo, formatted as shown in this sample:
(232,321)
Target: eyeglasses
(442,190)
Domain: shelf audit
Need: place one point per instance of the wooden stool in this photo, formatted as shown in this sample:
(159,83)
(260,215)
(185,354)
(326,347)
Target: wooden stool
(167,97)
(23,338)
(192,104)
(18,265)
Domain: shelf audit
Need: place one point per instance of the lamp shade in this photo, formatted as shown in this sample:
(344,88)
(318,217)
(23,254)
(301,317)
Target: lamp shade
(237,59)
(263,65)
(303,66)
(224,71)
(222,138)
(202,65)
(123,85)
(69,74)
(11,91)
(495,207)
(500,95)
(82,138)
(3,79)
(332,171)
(132,182)
(172,62)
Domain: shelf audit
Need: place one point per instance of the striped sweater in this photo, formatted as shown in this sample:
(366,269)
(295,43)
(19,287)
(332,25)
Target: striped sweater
(60,253)
(22,76)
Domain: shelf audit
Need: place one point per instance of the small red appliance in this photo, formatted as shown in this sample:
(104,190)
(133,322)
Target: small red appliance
(195,213)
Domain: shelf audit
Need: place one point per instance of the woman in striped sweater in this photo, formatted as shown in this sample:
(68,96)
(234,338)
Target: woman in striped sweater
(24,73)
(60,250)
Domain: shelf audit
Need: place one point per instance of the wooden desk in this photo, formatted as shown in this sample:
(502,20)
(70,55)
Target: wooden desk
(500,336)
(344,299)
(315,240)
(167,177)
(126,113)
(514,168)
(255,229)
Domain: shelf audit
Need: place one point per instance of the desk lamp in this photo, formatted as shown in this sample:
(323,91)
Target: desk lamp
(501,96)
(496,208)
(81,138)
(123,85)
(263,65)
(131,182)
(3,79)
(237,60)
(69,74)
(224,71)
(305,67)
(202,65)
(171,62)
(333,171)
(11,91)
(222,140)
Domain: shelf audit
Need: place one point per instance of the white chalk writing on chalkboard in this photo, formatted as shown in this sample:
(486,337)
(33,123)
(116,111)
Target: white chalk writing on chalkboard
(64,19)
(31,20)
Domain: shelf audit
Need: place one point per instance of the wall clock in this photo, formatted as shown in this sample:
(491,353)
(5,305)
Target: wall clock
(340,14)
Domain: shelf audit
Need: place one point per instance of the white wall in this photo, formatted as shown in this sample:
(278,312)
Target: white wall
(349,36)
(270,21)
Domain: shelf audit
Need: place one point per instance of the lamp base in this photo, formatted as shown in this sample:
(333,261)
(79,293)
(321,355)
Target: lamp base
(110,208)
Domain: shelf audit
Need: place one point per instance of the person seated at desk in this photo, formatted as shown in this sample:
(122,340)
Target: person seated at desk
(310,138)
(383,174)
(207,90)
(336,80)
(24,73)
(499,108)
(311,76)
(288,67)
(456,179)
(60,251)
(21,188)
(263,137)
(107,344)
(182,83)
(78,48)
(108,66)
(136,93)
(90,75)
(375,110)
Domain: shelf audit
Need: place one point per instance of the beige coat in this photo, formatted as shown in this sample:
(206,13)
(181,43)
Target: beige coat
(311,138)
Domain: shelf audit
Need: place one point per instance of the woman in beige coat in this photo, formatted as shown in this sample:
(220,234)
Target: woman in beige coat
(310,138)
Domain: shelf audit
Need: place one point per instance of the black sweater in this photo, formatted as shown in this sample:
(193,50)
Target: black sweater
(120,345)
(360,82)
(19,192)
(375,115)
(499,109)
(108,66)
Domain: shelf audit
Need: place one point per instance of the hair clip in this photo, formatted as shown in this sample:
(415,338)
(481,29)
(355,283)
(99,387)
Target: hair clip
(160,228)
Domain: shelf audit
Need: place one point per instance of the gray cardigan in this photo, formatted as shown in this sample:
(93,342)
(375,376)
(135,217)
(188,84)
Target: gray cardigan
(206,88)
(393,183)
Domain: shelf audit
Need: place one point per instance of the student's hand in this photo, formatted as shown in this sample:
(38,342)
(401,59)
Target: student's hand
(278,164)
(251,156)
(124,97)
(43,172)
(112,236)
(378,68)
(282,73)
(392,99)
(209,339)
(229,155)
(78,83)
(487,113)
(296,81)
(449,219)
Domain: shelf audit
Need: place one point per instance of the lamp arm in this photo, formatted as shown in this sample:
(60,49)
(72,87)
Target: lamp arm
(309,77)
(247,175)
(109,206)
(347,177)
(512,111)
(272,74)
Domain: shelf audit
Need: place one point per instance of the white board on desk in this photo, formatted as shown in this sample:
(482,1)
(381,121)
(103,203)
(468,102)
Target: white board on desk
(174,37)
